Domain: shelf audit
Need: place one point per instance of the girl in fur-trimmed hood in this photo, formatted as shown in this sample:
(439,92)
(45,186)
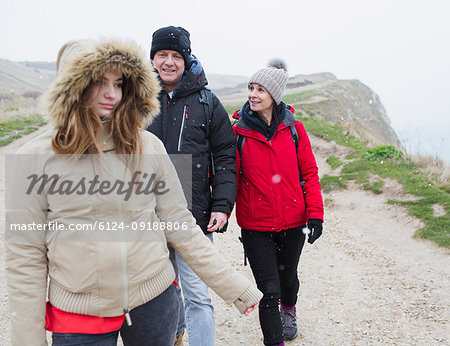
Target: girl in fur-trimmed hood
(68,105)
(117,277)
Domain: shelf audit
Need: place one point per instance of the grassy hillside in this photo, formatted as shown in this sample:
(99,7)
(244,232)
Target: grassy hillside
(21,85)
(369,166)
(17,79)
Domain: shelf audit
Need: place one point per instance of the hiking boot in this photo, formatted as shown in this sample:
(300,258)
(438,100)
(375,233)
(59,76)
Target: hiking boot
(179,339)
(289,321)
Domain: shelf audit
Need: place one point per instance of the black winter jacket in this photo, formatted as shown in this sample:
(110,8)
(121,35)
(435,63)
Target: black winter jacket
(181,125)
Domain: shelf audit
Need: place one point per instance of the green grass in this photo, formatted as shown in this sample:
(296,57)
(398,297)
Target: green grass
(231,108)
(330,183)
(293,99)
(371,165)
(376,186)
(309,109)
(382,152)
(313,109)
(15,128)
(8,140)
(331,132)
(334,162)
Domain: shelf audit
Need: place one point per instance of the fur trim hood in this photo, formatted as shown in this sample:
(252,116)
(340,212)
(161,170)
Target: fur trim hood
(90,65)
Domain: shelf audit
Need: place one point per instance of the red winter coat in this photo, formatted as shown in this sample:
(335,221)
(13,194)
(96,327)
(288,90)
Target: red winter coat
(269,195)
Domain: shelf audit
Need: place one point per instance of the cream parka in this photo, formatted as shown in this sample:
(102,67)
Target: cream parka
(124,263)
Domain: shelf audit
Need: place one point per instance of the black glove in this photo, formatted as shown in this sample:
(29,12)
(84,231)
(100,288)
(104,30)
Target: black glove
(315,225)
(223,229)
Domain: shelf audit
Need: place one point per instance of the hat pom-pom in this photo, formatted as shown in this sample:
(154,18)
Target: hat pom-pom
(277,63)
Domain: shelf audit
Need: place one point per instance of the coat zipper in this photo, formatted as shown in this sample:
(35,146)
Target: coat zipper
(123,252)
(185,116)
(126,310)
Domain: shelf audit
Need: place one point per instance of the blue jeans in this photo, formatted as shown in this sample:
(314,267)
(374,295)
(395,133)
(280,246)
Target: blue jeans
(153,324)
(199,312)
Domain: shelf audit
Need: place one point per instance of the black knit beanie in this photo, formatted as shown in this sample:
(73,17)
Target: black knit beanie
(172,38)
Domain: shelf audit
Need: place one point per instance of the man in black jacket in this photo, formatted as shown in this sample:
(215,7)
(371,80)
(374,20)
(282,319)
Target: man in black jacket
(188,125)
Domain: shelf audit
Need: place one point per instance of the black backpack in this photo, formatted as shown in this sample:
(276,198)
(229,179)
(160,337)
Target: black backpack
(206,99)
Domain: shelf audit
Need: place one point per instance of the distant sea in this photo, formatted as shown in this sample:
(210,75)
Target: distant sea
(432,140)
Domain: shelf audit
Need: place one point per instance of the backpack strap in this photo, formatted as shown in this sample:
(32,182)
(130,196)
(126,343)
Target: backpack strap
(240,140)
(206,99)
(294,136)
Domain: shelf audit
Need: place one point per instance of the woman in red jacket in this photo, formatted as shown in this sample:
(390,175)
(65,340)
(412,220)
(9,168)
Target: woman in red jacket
(273,209)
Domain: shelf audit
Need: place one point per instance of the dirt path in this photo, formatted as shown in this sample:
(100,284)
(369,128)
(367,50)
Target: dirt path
(366,281)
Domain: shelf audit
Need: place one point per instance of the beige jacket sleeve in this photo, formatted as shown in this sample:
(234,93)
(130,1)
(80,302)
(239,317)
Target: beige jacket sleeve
(195,248)
(26,256)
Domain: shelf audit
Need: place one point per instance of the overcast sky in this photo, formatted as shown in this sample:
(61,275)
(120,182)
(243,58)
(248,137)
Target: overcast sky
(399,48)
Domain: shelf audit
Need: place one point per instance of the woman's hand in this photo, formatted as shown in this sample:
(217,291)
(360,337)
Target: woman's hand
(250,309)
(315,225)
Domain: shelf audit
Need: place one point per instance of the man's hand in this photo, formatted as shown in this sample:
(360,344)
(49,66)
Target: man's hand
(221,220)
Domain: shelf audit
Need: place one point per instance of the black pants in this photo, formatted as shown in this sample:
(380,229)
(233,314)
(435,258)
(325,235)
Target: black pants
(273,258)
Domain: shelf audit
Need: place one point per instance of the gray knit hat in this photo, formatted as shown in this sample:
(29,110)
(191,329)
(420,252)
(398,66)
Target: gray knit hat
(273,77)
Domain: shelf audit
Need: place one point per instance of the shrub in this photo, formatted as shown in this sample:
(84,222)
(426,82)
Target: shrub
(382,152)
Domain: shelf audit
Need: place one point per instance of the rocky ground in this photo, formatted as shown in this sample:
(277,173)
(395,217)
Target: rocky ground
(366,281)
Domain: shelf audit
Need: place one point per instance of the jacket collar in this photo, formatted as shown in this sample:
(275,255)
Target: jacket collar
(288,118)
(194,79)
